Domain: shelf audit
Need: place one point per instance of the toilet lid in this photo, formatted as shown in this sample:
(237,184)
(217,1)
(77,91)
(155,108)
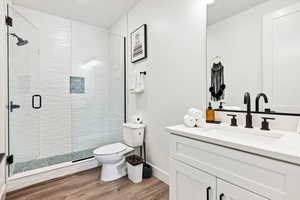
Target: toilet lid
(110,149)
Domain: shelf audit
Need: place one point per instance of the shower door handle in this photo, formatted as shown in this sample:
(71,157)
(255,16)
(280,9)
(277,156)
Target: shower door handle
(33,101)
(13,106)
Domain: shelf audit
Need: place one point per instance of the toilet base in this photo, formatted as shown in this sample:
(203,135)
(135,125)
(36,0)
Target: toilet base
(111,172)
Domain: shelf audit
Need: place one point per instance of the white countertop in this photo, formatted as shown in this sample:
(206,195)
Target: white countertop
(286,148)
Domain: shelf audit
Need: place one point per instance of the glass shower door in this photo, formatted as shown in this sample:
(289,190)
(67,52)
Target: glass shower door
(24,99)
(70,99)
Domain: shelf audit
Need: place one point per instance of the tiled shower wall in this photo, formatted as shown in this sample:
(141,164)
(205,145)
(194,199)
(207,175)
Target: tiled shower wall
(75,122)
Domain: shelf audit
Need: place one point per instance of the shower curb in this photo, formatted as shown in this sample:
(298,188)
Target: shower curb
(33,177)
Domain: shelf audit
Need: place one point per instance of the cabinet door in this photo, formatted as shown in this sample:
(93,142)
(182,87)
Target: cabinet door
(190,183)
(227,191)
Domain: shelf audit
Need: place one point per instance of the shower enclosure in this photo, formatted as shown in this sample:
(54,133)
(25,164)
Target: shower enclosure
(66,89)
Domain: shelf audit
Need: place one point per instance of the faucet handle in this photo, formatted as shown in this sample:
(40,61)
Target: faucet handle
(265,123)
(233,120)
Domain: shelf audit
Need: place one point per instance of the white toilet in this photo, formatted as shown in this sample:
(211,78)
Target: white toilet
(112,156)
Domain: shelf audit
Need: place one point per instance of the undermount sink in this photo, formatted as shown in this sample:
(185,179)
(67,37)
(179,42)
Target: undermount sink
(247,135)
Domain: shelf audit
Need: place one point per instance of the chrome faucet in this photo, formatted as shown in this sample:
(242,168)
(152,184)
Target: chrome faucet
(258,98)
(247,100)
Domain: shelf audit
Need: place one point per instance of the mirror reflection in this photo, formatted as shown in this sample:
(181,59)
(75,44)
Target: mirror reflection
(254,46)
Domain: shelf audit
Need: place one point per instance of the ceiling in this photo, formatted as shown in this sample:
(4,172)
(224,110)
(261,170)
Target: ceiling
(222,9)
(102,13)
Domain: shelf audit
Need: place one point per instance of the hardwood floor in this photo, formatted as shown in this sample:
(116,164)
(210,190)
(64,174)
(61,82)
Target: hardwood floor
(86,186)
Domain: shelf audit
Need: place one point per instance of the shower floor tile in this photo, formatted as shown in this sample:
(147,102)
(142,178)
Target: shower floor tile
(60,159)
(36,164)
(45,162)
(83,154)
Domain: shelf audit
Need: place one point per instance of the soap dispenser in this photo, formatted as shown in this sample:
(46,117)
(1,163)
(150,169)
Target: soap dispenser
(210,114)
(221,105)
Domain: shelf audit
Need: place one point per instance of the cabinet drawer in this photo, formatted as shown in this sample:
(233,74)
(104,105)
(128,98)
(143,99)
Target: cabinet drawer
(232,192)
(268,177)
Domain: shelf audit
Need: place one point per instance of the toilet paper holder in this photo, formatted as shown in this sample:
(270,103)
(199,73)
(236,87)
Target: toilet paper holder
(137,118)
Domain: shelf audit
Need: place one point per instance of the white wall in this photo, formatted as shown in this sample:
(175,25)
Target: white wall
(175,68)
(238,40)
(120,27)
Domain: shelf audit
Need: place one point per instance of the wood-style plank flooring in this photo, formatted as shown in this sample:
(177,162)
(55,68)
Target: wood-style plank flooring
(86,186)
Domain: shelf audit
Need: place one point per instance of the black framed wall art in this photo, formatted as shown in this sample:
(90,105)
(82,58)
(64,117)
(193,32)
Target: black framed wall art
(139,44)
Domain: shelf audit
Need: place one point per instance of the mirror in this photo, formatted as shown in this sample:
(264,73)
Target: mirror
(254,46)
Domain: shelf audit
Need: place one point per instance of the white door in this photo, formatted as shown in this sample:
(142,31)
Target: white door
(281,58)
(190,183)
(227,191)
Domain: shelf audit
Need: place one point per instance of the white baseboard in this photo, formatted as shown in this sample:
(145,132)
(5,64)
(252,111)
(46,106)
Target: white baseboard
(2,193)
(26,179)
(160,174)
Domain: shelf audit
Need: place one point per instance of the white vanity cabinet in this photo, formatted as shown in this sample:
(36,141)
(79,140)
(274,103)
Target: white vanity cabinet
(193,184)
(201,170)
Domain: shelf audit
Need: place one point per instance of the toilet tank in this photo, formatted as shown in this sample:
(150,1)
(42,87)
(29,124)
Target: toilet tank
(133,134)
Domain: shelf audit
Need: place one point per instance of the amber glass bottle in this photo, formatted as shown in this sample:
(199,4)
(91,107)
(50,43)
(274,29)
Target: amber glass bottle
(210,113)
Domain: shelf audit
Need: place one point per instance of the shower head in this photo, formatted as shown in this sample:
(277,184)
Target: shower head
(21,41)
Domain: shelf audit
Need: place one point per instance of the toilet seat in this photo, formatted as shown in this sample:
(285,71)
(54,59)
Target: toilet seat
(110,149)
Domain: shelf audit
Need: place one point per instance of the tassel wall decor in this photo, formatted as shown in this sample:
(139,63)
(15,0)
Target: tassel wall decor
(217,82)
